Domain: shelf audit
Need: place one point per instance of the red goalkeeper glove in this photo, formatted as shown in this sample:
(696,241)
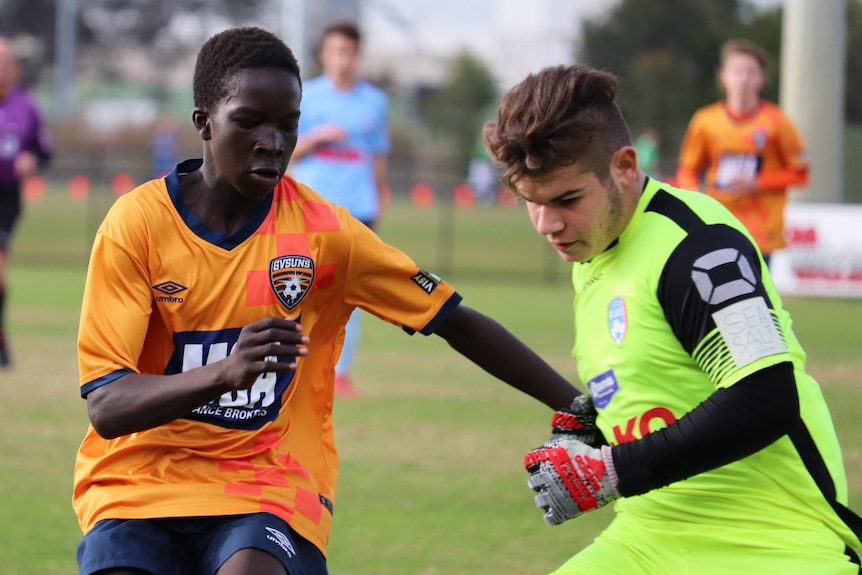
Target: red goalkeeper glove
(570,476)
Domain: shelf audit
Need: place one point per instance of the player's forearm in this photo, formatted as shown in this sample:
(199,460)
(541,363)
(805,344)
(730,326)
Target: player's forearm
(781,179)
(493,348)
(731,424)
(138,402)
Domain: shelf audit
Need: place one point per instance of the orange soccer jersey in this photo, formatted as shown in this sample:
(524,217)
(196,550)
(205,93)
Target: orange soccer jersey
(165,294)
(763,146)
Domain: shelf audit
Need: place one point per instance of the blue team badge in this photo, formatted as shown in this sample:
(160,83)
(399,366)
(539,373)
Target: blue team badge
(291,277)
(617,320)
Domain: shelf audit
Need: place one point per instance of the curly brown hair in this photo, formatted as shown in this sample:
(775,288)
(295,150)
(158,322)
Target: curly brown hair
(559,116)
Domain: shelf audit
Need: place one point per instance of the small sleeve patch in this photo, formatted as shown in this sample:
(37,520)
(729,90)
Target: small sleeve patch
(426,281)
(749,331)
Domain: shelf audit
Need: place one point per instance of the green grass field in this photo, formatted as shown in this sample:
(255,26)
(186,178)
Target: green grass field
(431,481)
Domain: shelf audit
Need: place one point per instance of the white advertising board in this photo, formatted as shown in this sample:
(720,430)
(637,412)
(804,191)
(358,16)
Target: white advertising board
(824,252)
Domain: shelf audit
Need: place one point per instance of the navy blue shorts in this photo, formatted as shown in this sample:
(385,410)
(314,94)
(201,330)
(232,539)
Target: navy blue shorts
(194,545)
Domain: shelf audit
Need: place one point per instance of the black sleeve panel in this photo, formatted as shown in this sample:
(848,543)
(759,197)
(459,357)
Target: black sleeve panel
(729,425)
(713,267)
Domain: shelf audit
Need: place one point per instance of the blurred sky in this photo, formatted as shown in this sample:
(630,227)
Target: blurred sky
(514,37)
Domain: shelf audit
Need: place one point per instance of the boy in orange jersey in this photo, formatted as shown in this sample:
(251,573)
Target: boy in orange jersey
(749,150)
(212,319)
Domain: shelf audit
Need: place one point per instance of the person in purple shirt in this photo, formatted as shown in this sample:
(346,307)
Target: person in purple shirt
(25,146)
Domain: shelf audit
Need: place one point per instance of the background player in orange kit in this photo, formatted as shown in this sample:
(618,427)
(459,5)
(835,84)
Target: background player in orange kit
(746,149)
(211,324)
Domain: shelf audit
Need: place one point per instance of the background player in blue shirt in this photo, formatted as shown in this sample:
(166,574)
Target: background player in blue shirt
(342,149)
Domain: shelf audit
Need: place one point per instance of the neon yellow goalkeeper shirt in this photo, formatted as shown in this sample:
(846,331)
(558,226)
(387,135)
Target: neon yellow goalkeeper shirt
(681,305)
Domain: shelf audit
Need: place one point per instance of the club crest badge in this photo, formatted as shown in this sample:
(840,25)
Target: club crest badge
(760,138)
(617,319)
(291,277)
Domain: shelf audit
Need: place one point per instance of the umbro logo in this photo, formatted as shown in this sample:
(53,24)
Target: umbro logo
(170,289)
(281,540)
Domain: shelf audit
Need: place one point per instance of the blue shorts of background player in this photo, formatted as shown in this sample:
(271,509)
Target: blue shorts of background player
(194,545)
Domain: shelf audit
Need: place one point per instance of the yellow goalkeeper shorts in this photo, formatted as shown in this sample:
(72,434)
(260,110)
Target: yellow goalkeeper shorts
(644,547)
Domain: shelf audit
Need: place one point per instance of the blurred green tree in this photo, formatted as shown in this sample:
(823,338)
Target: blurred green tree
(853,99)
(667,55)
(167,30)
(457,111)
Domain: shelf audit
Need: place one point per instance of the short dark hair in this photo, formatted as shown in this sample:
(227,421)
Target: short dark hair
(345,28)
(559,116)
(230,51)
(743,46)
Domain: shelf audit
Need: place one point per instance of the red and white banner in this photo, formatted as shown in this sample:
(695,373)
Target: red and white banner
(824,253)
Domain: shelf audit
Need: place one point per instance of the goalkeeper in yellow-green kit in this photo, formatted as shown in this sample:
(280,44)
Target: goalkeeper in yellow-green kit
(700,420)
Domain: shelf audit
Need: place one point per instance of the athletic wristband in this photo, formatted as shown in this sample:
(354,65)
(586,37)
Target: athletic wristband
(608,458)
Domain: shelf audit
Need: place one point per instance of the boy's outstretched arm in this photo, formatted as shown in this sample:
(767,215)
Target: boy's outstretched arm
(493,348)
